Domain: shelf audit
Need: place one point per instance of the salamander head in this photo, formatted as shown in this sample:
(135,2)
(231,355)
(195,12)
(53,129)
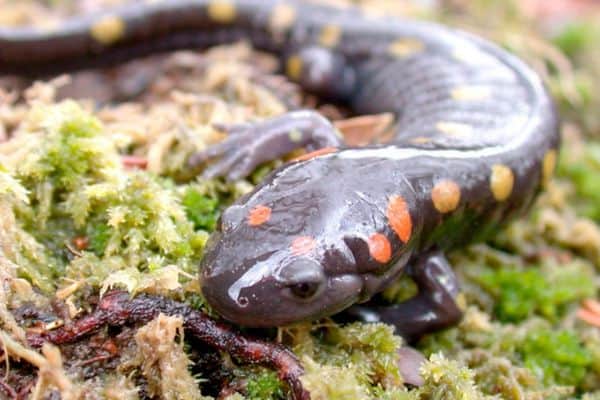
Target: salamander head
(281,254)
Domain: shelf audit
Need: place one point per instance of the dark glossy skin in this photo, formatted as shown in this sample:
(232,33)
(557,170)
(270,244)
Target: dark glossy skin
(477,135)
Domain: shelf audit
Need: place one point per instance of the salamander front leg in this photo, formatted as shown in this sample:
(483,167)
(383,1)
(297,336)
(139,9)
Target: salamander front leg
(248,145)
(433,308)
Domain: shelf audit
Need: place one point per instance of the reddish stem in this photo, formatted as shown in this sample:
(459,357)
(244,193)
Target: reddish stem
(117,308)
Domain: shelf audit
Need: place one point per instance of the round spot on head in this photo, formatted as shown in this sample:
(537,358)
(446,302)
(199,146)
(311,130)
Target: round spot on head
(548,165)
(302,245)
(380,248)
(293,67)
(470,93)
(221,11)
(399,217)
(259,215)
(405,47)
(282,17)
(316,153)
(330,35)
(501,181)
(445,196)
(108,29)
(454,129)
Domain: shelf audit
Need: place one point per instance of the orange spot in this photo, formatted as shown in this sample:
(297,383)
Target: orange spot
(259,215)
(316,153)
(134,162)
(590,312)
(81,242)
(592,305)
(589,317)
(302,245)
(380,248)
(399,217)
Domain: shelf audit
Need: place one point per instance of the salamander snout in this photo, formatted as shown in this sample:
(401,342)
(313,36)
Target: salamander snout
(275,289)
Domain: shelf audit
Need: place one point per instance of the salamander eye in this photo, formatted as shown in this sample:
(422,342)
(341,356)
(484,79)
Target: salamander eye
(305,290)
(303,279)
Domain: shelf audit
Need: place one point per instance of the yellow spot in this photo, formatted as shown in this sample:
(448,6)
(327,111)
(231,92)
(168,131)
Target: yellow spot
(501,181)
(282,18)
(47,26)
(222,11)
(295,136)
(454,129)
(405,47)
(465,54)
(470,93)
(420,140)
(330,35)
(445,196)
(108,29)
(293,67)
(548,165)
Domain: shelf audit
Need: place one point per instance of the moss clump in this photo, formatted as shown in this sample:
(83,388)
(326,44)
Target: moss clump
(72,154)
(264,386)
(357,361)
(131,224)
(557,357)
(522,292)
(447,379)
(333,382)
(372,347)
(201,209)
(582,166)
(576,37)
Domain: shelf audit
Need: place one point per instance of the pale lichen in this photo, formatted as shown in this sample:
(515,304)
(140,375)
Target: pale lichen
(163,360)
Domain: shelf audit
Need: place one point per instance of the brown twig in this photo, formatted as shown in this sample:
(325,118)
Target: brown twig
(117,308)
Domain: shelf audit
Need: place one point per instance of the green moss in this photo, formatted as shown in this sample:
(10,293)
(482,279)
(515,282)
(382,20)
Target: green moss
(557,357)
(200,209)
(582,171)
(76,186)
(373,347)
(522,292)
(98,235)
(333,382)
(575,37)
(264,386)
(447,379)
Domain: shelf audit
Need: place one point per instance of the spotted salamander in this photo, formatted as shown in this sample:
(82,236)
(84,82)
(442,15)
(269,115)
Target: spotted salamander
(476,138)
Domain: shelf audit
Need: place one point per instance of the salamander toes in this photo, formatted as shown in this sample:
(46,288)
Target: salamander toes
(410,364)
(222,167)
(226,158)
